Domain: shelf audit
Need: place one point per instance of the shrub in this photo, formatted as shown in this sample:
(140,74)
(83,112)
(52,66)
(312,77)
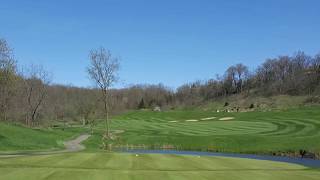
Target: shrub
(313,99)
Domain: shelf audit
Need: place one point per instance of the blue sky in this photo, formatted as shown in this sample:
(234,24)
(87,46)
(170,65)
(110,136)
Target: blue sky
(159,41)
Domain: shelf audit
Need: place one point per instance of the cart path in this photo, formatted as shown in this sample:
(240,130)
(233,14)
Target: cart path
(75,144)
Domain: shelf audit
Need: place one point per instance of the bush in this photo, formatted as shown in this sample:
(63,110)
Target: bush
(313,99)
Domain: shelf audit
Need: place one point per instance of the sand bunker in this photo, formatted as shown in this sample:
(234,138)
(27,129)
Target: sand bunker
(192,120)
(226,118)
(118,131)
(173,121)
(209,118)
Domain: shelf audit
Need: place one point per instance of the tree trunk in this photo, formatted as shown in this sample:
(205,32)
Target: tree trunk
(108,124)
(107,112)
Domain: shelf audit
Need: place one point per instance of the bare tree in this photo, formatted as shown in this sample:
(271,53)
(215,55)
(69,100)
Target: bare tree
(7,77)
(103,71)
(316,67)
(36,82)
(87,105)
(231,79)
(242,72)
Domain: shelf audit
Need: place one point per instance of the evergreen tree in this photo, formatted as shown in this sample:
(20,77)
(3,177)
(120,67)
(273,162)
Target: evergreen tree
(141,104)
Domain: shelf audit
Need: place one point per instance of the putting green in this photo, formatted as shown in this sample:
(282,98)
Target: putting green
(96,166)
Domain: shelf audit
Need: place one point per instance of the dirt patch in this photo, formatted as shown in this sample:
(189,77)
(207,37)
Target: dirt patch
(226,118)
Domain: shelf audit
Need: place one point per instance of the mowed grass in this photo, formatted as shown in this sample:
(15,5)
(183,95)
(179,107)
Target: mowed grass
(249,132)
(96,166)
(18,138)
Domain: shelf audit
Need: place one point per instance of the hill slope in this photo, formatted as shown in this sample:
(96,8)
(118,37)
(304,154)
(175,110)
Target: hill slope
(16,138)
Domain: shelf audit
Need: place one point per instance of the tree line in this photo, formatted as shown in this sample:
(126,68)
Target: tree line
(28,96)
(289,75)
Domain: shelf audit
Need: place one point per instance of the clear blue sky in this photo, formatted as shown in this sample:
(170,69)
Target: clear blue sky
(159,41)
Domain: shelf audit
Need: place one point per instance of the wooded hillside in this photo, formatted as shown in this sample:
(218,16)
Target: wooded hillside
(27,94)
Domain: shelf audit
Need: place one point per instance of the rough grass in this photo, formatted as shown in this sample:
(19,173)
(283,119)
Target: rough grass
(18,138)
(250,132)
(96,166)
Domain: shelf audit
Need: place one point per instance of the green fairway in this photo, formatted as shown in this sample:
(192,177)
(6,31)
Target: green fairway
(250,132)
(18,138)
(97,166)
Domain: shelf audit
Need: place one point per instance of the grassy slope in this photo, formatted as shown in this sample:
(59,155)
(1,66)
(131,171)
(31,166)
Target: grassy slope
(82,166)
(17,138)
(251,132)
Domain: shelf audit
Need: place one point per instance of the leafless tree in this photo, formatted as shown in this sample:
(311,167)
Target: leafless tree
(235,77)
(103,70)
(231,76)
(36,80)
(7,77)
(242,73)
(316,68)
(87,104)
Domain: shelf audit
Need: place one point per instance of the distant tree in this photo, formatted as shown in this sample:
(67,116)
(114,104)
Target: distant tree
(282,70)
(103,70)
(36,80)
(141,104)
(266,77)
(316,70)
(230,78)
(7,77)
(235,77)
(86,103)
(242,74)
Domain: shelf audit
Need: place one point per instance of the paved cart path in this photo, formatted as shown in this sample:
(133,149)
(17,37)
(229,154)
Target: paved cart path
(75,144)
